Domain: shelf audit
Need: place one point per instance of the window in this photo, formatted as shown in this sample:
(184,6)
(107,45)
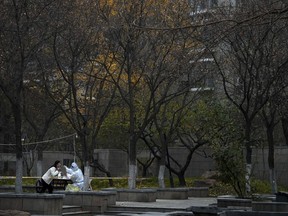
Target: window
(202,6)
(201,78)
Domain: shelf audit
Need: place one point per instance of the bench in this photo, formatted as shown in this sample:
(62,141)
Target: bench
(58,184)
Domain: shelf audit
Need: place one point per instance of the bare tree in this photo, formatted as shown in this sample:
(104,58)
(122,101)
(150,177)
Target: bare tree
(247,66)
(272,111)
(39,114)
(151,63)
(23,31)
(81,86)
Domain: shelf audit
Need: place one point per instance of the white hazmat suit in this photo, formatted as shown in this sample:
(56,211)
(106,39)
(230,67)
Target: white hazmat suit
(76,175)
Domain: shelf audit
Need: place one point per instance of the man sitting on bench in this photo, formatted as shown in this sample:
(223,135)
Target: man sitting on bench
(76,175)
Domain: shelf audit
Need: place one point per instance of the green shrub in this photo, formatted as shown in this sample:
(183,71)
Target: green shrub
(262,187)
(221,188)
(100,183)
(25,181)
(258,186)
(7,181)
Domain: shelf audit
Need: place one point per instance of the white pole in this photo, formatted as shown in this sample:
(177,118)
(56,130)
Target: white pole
(74,148)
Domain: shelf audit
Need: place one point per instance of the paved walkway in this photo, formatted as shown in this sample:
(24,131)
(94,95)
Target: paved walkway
(180,204)
(168,207)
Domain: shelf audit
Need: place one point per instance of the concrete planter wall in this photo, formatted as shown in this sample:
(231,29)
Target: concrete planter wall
(150,195)
(232,201)
(41,204)
(7,188)
(198,192)
(134,195)
(270,206)
(172,193)
(250,213)
(281,196)
(94,201)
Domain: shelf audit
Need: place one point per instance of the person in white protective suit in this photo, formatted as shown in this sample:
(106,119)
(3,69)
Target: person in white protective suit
(76,175)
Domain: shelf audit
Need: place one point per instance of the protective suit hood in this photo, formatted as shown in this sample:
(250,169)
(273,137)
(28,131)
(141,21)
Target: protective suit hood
(74,166)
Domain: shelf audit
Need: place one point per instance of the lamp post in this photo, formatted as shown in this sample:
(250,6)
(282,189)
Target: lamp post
(23,137)
(74,146)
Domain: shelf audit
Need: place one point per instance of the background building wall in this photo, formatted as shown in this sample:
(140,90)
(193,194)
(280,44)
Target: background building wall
(116,161)
(261,168)
(50,157)
(201,163)
(8,162)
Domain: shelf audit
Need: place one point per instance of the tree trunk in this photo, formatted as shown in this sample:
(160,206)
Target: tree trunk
(161,175)
(86,176)
(248,157)
(40,162)
(273,181)
(84,149)
(144,171)
(182,181)
(132,152)
(270,138)
(102,168)
(19,153)
(39,168)
(132,159)
(247,177)
(284,122)
(169,166)
(19,175)
(132,176)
